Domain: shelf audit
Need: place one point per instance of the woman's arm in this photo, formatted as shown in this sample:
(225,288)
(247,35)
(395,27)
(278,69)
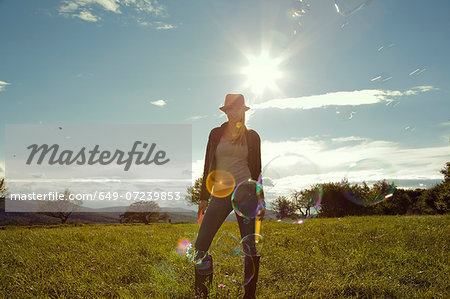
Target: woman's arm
(262,202)
(258,160)
(204,193)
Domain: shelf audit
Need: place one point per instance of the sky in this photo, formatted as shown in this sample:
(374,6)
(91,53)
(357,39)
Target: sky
(351,87)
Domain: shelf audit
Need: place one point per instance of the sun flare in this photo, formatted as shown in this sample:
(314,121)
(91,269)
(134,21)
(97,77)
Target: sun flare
(262,72)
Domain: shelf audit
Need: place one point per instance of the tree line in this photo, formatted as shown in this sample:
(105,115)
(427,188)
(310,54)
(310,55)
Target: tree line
(336,199)
(340,199)
(343,199)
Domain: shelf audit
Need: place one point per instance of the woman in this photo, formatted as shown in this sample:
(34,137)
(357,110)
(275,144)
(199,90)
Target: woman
(234,151)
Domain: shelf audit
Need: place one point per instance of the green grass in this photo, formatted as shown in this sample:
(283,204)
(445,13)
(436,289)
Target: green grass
(360,257)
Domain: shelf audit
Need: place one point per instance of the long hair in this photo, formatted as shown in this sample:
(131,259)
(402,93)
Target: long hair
(240,138)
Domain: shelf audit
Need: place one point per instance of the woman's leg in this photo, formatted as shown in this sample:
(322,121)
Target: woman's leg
(217,211)
(247,229)
(251,259)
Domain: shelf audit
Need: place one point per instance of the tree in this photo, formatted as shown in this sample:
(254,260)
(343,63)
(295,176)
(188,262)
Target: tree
(398,204)
(414,195)
(2,188)
(446,172)
(165,217)
(442,200)
(341,199)
(305,199)
(60,208)
(193,192)
(436,200)
(284,207)
(143,211)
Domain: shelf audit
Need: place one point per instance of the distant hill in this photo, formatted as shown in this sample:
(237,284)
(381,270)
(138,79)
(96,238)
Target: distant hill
(101,215)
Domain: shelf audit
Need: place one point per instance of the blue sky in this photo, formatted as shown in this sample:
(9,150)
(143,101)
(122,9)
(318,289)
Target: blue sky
(370,85)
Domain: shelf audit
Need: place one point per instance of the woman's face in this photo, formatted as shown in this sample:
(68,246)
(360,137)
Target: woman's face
(235,113)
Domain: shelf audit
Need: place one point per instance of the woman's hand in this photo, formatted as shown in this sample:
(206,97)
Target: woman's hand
(261,211)
(202,207)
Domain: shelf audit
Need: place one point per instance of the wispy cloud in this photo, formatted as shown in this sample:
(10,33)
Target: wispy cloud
(333,157)
(347,139)
(89,10)
(3,85)
(73,6)
(157,25)
(162,26)
(196,117)
(85,75)
(323,159)
(197,169)
(87,16)
(341,98)
(159,103)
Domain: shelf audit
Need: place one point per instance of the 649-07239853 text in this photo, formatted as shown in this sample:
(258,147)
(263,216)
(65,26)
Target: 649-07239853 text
(100,195)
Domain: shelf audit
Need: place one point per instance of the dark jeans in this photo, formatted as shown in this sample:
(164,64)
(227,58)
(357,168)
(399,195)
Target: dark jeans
(218,209)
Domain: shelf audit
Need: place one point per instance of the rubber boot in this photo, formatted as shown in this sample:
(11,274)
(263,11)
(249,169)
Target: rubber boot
(203,277)
(251,269)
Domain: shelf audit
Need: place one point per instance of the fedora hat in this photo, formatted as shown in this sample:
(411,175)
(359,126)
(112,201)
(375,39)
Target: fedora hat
(233,100)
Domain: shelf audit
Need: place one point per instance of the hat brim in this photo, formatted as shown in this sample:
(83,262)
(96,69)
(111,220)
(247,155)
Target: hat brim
(224,108)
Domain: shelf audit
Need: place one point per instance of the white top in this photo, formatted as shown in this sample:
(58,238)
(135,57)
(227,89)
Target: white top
(233,158)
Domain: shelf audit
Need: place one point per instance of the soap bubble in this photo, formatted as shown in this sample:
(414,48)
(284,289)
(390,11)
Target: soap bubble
(392,103)
(363,173)
(194,255)
(297,219)
(306,205)
(348,7)
(246,199)
(247,241)
(235,252)
(345,112)
(164,269)
(385,47)
(298,9)
(297,28)
(228,246)
(417,71)
(381,78)
(287,172)
(291,175)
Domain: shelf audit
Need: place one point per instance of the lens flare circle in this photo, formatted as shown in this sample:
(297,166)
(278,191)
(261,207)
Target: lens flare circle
(220,183)
(182,246)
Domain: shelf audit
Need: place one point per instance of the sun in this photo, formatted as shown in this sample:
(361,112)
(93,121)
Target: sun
(262,72)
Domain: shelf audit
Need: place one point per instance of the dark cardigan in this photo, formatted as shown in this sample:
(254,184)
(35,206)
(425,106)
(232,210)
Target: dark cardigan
(254,155)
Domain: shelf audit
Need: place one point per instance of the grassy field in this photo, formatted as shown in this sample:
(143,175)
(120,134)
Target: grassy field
(364,257)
